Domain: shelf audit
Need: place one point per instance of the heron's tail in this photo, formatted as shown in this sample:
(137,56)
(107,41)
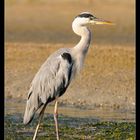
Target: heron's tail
(29,113)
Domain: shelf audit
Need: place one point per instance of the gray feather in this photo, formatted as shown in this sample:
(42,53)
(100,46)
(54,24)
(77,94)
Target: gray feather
(49,83)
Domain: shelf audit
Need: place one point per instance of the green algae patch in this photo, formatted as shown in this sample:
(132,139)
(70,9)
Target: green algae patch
(115,130)
(69,128)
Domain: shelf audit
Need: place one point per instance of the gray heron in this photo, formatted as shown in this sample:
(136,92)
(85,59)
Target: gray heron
(55,75)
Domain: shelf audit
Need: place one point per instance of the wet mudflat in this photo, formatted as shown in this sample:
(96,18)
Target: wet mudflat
(71,128)
(74,124)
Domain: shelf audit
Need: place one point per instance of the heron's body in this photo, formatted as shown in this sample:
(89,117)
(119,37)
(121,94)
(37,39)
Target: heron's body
(55,75)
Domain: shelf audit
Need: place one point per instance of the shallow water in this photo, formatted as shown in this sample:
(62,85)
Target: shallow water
(108,114)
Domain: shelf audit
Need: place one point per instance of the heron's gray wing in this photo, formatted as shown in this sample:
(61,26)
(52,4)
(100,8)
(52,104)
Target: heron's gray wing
(53,78)
(50,82)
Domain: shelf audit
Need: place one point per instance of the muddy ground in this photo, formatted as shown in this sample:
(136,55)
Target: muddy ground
(107,79)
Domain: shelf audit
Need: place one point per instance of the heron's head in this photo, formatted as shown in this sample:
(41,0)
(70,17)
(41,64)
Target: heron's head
(86,18)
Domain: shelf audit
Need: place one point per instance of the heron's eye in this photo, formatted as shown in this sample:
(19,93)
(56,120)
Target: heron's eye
(91,18)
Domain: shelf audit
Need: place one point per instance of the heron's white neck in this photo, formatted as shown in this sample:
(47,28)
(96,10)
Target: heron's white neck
(84,42)
(80,50)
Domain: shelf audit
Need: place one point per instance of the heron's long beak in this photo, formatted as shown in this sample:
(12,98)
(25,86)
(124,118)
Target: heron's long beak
(102,21)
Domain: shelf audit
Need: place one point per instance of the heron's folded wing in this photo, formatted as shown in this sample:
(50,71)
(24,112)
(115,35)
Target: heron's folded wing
(51,80)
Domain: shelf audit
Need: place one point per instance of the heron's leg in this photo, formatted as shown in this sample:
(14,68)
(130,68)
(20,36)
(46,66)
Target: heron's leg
(40,118)
(55,119)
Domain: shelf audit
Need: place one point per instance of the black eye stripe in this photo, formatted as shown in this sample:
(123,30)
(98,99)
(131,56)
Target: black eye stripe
(85,15)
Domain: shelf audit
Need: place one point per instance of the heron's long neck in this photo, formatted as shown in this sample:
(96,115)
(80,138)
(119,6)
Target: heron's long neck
(80,50)
(83,45)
